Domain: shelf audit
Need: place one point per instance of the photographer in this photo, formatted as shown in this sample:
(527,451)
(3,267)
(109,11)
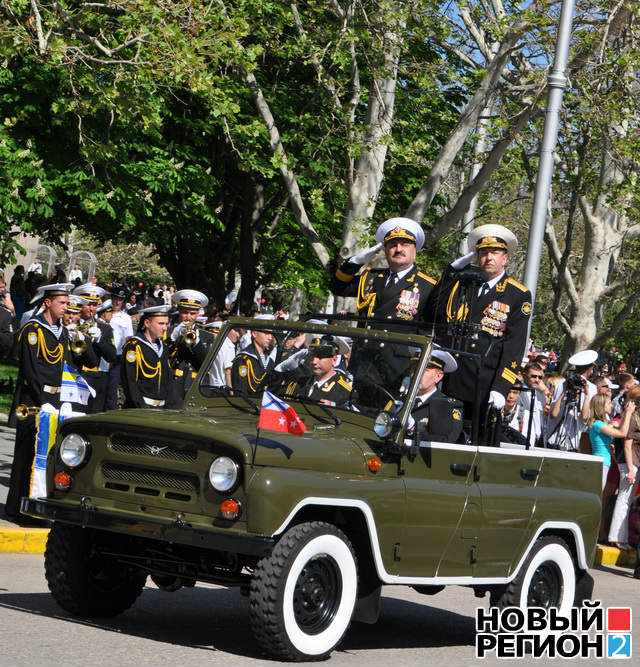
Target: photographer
(570,403)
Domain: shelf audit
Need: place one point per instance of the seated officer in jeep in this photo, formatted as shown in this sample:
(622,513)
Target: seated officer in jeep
(436,416)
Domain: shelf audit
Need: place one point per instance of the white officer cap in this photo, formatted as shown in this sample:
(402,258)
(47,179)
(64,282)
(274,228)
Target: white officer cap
(190,298)
(56,289)
(104,306)
(90,291)
(76,302)
(154,311)
(442,360)
(400,228)
(610,384)
(584,358)
(492,236)
(216,324)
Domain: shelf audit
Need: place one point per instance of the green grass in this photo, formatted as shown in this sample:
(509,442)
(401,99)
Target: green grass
(7,371)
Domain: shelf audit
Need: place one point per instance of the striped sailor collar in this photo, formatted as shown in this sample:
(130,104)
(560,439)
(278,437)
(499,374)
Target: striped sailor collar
(156,347)
(55,329)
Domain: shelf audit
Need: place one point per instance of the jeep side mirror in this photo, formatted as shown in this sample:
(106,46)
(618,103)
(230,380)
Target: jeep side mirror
(386,425)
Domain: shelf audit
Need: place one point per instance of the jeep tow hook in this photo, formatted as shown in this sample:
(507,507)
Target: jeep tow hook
(180,522)
(86,507)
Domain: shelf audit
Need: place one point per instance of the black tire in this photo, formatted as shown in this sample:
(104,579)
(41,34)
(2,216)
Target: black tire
(302,596)
(546,579)
(83,582)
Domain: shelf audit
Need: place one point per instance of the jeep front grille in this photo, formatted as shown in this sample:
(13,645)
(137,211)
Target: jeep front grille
(149,478)
(125,444)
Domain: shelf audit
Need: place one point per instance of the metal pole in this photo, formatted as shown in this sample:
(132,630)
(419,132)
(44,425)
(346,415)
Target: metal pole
(557,83)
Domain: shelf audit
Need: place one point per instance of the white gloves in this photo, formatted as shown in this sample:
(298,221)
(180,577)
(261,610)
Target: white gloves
(461,262)
(365,256)
(496,399)
(95,333)
(295,360)
(177,332)
(71,327)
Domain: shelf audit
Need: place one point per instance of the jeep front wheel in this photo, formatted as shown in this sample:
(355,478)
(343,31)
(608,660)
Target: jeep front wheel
(546,579)
(81,580)
(302,596)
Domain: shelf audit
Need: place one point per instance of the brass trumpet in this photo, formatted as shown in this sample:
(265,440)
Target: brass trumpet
(23,411)
(77,345)
(190,336)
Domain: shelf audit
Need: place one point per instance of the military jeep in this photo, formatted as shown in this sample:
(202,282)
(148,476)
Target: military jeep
(311,525)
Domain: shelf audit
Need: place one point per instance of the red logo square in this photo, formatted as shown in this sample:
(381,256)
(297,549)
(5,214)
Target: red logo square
(619,619)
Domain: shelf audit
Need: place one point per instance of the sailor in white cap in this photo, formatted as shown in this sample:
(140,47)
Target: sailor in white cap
(101,339)
(571,402)
(187,342)
(146,375)
(488,315)
(325,384)
(44,350)
(400,291)
(438,417)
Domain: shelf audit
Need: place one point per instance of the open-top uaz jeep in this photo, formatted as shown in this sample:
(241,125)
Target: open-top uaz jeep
(311,526)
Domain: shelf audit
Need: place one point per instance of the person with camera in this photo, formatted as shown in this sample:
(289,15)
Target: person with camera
(570,403)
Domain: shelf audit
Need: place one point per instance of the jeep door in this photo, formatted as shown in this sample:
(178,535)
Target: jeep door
(437,484)
(507,479)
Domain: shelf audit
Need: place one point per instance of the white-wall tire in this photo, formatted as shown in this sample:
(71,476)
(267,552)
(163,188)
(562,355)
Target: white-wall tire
(303,595)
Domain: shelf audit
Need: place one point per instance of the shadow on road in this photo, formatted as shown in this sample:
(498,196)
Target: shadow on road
(218,620)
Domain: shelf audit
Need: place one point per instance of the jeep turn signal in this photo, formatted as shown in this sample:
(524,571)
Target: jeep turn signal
(230,509)
(62,481)
(374,464)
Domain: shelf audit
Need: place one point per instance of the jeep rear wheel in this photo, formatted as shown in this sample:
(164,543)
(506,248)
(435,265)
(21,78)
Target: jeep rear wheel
(302,596)
(546,579)
(82,581)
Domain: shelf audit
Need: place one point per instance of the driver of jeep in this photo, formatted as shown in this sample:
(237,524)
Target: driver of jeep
(437,417)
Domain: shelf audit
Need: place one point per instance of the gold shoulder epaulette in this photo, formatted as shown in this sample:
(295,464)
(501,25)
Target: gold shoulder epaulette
(515,283)
(343,383)
(429,279)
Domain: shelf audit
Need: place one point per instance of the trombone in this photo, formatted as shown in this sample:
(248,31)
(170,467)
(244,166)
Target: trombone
(24,411)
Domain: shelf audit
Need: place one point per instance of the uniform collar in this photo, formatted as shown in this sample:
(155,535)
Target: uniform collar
(55,329)
(157,348)
(425,397)
(323,382)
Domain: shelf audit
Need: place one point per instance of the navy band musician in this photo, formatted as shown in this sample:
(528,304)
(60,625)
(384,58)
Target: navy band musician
(146,375)
(326,384)
(400,291)
(101,338)
(44,349)
(251,366)
(187,341)
(497,315)
(436,416)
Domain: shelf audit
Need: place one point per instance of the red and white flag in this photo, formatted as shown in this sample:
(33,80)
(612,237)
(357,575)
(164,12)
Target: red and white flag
(276,415)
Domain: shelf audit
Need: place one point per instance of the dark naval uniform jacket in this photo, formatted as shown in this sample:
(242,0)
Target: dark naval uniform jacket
(335,390)
(501,319)
(406,300)
(438,418)
(145,373)
(97,373)
(186,359)
(248,373)
(44,350)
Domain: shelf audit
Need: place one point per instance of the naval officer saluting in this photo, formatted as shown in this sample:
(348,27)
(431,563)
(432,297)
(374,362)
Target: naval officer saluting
(400,291)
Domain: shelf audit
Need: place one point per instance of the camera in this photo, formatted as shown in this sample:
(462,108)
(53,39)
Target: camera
(573,386)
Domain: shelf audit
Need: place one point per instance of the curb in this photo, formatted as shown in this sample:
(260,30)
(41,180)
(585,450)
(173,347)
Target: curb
(23,540)
(614,556)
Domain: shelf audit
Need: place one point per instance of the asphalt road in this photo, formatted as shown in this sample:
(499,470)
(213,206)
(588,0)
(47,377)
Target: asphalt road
(209,625)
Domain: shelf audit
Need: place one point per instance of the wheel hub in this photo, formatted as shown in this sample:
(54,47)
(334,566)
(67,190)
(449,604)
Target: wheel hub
(545,589)
(317,593)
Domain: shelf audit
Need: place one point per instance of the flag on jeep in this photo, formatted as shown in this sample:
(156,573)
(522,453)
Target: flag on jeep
(276,415)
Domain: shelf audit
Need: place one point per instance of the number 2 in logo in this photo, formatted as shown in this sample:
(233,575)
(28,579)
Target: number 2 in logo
(618,646)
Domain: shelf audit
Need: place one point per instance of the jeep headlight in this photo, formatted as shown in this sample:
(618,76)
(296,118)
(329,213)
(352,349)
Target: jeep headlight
(73,450)
(223,473)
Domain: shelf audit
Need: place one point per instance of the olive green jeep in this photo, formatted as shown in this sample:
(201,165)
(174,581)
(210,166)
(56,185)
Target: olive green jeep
(311,524)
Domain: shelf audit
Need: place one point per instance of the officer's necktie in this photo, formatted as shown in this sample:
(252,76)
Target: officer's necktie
(393,279)
(484,289)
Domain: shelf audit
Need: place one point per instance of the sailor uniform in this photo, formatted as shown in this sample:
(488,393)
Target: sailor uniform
(438,418)
(44,350)
(335,390)
(378,296)
(250,371)
(186,359)
(501,318)
(97,375)
(146,375)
